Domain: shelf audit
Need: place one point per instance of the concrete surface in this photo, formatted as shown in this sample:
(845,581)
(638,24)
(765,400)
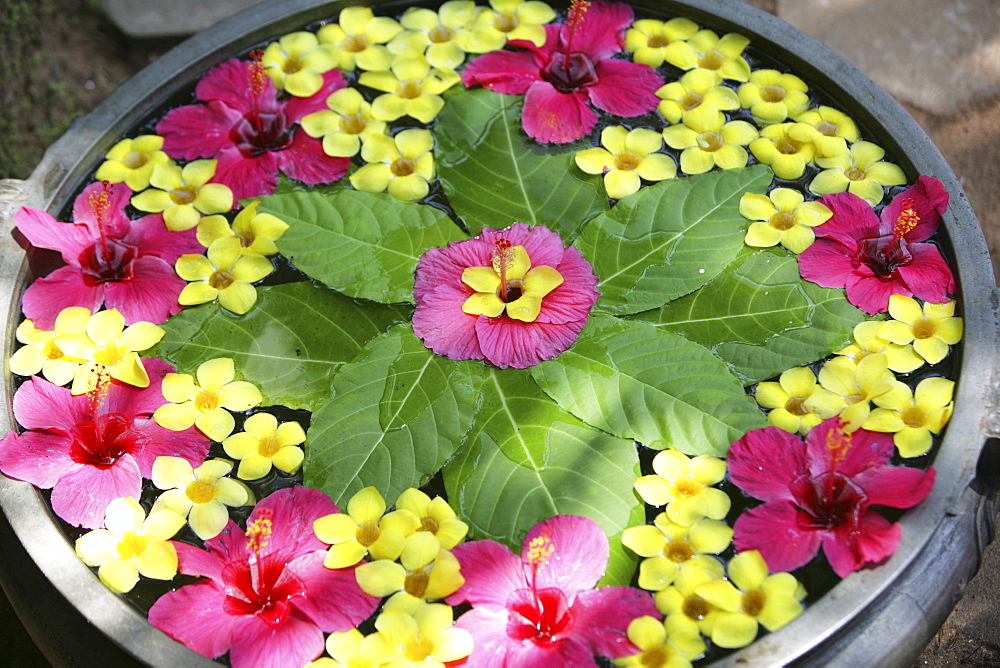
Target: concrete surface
(940,58)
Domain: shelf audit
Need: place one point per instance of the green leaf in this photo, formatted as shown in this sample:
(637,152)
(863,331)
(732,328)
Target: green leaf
(495,176)
(566,467)
(634,381)
(289,344)
(354,443)
(365,245)
(287,185)
(622,561)
(759,316)
(668,239)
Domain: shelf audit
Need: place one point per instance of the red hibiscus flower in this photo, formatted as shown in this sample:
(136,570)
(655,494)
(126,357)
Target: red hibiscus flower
(873,257)
(250,131)
(819,494)
(572,68)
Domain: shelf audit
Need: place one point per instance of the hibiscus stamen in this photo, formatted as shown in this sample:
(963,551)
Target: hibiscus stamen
(502,258)
(257,83)
(536,557)
(258,533)
(99,203)
(573,21)
(906,220)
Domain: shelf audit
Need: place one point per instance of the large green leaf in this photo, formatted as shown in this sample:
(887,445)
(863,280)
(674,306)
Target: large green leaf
(759,316)
(527,459)
(668,239)
(354,442)
(289,344)
(365,245)
(495,176)
(634,381)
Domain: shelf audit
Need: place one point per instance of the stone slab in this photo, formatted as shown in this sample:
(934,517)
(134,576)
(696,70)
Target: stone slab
(939,56)
(144,19)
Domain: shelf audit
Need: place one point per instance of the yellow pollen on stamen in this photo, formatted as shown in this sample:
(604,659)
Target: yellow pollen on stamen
(257,73)
(259,531)
(200,491)
(100,202)
(906,221)
(838,443)
(576,11)
(539,550)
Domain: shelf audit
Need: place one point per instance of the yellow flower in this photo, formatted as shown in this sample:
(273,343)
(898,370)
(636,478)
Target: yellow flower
(899,358)
(131,545)
(132,161)
(351,649)
(445,36)
(422,633)
(297,61)
(411,88)
(662,644)
(359,38)
(41,351)
(931,330)
(402,165)
(649,40)
(683,606)
(110,347)
(435,516)
(205,404)
(426,571)
(264,443)
(860,171)
(786,148)
(513,269)
(684,484)
(199,494)
(796,401)
(225,274)
(855,385)
(365,529)
(670,549)
(696,89)
(256,232)
(831,123)
(626,156)
(773,96)
(913,415)
(782,216)
(518,19)
(345,125)
(709,141)
(705,49)
(184,194)
(750,597)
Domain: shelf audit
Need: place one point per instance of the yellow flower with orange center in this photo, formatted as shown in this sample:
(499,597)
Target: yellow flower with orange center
(510,284)
(264,443)
(625,157)
(931,329)
(684,484)
(782,216)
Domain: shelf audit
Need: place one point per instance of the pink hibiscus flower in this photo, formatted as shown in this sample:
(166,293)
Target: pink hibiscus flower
(111,260)
(541,608)
(267,598)
(875,258)
(250,131)
(820,493)
(513,297)
(93,448)
(572,68)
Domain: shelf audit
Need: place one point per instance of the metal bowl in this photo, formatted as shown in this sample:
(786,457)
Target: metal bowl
(881,616)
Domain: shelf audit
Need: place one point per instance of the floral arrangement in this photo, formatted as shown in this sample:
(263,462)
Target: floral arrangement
(583,287)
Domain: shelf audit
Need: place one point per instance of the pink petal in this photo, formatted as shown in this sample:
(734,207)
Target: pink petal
(579,553)
(829,448)
(774,530)
(44,231)
(551,116)
(870,293)
(625,88)
(193,560)
(852,219)
(194,615)
(511,343)
(297,108)
(306,161)
(150,235)
(826,263)
(491,571)
(927,198)
(257,644)
(247,177)
(150,295)
(896,486)
(82,495)
(136,402)
(600,32)
(37,457)
(39,404)
(293,511)
(333,600)
(444,266)
(493,648)
(573,299)
(848,550)
(508,72)
(764,462)
(601,618)
(114,220)
(231,83)
(46,297)
(190,445)
(543,246)
(197,130)
(928,274)
(444,327)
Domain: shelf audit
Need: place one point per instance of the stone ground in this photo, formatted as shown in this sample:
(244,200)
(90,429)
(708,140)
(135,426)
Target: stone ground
(63,56)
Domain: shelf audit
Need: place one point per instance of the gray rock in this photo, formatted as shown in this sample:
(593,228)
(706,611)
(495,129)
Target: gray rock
(942,57)
(169,18)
